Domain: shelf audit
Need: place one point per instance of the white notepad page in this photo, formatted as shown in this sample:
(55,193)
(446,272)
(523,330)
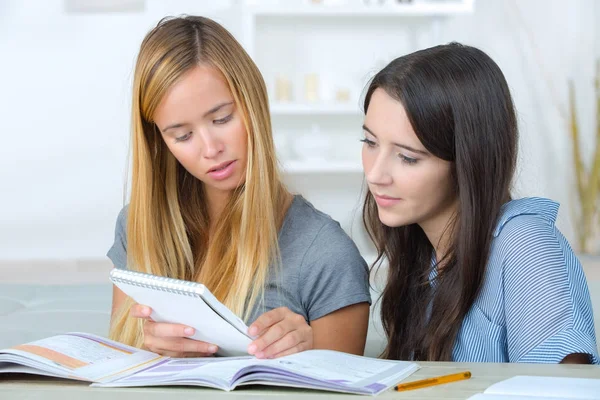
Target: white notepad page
(169,306)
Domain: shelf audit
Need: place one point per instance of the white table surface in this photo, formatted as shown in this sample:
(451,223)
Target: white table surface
(18,387)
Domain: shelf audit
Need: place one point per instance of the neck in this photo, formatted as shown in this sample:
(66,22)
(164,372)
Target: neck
(439,229)
(215,204)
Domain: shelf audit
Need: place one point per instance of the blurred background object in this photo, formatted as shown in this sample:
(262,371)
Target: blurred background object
(587,210)
(100,6)
(66,84)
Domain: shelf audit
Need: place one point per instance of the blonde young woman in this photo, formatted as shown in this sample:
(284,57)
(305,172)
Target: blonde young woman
(207,204)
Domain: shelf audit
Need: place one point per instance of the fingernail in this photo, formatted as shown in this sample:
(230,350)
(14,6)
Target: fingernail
(146,311)
(251,349)
(188,331)
(212,348)
(260,354)
(252,331)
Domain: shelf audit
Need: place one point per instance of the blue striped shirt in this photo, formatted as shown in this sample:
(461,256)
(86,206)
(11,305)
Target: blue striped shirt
(534,305)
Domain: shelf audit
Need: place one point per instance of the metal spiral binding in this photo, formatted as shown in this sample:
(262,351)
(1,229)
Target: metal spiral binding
(169,285)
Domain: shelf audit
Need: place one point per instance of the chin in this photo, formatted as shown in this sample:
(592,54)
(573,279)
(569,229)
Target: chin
(229,184)
(225,187)
(390,220)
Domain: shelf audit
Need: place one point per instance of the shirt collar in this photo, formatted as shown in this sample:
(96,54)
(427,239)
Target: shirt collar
(545,208)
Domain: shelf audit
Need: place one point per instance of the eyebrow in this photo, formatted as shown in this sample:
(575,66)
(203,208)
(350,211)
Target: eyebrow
(206,114)
(398,144)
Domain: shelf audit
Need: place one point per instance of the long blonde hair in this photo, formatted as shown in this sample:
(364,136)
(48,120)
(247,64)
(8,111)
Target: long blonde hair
(167,223)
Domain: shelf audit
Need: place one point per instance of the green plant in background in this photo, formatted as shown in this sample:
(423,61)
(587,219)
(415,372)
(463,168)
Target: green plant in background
(588,181)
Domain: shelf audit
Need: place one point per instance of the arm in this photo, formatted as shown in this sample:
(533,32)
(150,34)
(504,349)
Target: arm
(343,330)
(281,332)
(547,304)
(576,358)
(334,291)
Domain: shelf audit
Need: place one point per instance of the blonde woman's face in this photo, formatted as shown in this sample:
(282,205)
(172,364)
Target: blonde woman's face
(204,130)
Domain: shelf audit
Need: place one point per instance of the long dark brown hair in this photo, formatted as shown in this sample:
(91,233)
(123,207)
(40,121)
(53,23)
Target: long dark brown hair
(460,107)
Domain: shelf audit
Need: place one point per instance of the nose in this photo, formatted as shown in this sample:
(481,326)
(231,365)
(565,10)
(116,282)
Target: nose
(377,172)
(212,146)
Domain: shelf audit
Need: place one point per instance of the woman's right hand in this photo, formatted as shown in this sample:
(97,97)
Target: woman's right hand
(170,339)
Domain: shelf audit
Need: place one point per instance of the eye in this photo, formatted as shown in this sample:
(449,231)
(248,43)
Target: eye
(407,160)
(183,138)
(368,142)
(223,120)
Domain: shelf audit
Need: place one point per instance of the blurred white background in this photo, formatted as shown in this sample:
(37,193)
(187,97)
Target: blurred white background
(65,79)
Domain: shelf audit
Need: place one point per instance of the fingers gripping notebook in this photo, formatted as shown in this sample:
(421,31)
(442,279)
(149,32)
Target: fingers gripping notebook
(187,303)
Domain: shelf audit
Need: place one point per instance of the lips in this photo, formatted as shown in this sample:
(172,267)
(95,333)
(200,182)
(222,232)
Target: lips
(386,201)
(220,166)
(383,196)
(222,171)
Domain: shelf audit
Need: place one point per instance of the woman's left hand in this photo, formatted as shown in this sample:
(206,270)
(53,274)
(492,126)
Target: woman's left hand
(278,333)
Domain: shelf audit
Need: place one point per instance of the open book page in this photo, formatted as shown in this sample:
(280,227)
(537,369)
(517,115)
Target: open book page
(22,369)
(331,370)
(542,387)
(210,371)
(77,356)
(319,369)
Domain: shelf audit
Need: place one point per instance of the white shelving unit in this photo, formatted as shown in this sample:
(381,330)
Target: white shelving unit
(316,167)
(298,13)
(308,110)
(414,9)
(434,9)
(343,43)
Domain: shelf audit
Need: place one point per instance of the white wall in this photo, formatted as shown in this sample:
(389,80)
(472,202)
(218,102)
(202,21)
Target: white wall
(540,45)
(65,88)
(64,110)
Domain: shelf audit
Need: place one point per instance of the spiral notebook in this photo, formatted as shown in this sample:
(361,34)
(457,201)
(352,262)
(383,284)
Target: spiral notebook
(187,303)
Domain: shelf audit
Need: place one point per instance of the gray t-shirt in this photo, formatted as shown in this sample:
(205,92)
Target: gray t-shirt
(321,271)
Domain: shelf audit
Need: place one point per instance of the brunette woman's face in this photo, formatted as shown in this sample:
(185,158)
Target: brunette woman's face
(409,184)
(204,130)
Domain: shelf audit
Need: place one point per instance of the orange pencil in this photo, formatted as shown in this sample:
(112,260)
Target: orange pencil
(433,381)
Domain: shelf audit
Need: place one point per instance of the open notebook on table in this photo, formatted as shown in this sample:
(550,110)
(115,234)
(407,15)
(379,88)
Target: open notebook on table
(107,363)
(542,388)
(187,303)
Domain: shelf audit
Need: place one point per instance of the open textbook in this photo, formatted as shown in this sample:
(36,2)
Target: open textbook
(542,388)
(107,363)
(187,303)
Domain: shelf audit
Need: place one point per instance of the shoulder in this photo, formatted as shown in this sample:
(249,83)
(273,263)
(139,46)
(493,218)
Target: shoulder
(526,212)
(303,210)
(525,224)
(118,251)
(314,235)
(527,243)
(331,273)
(304,224)
(122,217)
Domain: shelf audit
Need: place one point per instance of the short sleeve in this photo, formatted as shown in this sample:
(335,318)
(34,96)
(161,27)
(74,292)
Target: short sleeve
(333,274)
(118,251)
(547,304)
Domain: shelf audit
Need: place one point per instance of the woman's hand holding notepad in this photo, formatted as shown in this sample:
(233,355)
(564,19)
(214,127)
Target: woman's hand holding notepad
(186,304)
(170,339)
